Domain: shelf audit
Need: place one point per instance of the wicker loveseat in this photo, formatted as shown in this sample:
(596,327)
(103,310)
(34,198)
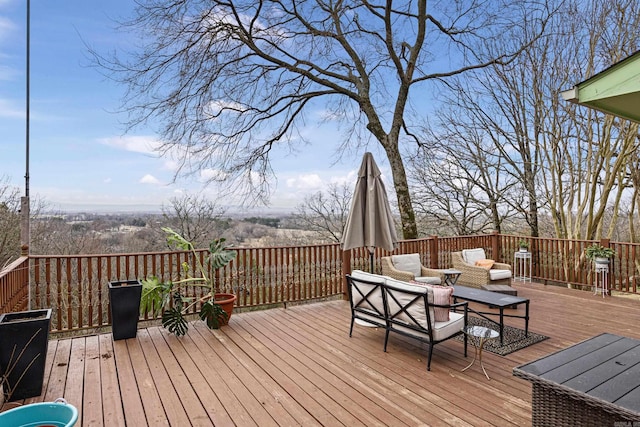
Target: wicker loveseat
(476,276)
(407,268)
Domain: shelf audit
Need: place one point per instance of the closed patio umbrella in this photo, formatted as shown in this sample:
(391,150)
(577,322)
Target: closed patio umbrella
(370,222)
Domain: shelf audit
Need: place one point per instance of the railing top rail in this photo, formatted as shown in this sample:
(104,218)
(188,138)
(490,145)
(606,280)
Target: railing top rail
(133,254)
(15,264)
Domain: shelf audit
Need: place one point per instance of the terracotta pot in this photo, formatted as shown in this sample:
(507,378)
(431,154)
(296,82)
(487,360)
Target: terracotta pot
(227,302)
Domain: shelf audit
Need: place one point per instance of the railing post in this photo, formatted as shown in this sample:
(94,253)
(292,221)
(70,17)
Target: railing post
(346,269)
(433,252)
(495,246)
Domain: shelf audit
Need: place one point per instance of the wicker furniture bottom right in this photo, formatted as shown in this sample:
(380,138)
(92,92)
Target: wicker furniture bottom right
(592,383)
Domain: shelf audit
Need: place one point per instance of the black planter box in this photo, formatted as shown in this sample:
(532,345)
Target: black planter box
(124,302)
(26,335)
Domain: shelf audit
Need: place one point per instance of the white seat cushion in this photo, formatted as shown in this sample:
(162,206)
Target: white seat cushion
(442,330)
(495,274)
(429,280)
(470,256)
(408,262)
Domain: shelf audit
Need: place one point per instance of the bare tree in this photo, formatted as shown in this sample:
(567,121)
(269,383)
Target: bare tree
(459,186)
(53,235)
(587,154)
(196,218)
(9,222)
(232,79)
(544,152)
(325,213)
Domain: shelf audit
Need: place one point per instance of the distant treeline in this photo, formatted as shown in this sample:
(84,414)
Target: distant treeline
(269,222)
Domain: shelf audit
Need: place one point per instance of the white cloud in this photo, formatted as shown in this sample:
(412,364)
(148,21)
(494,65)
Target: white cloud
(309,182)
(136,144)
(328,115)
(171,165)
(217,106)
(8,110)
(7,73)
(149,179)
(107,180)
(6,25)
(211,175)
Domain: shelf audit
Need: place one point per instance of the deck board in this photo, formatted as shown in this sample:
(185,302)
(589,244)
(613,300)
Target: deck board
(298,366)
(112,408)
(92,396)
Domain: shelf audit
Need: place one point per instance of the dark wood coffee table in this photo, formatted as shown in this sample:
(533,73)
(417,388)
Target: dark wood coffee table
(493,299)
(501,289)
(592,383)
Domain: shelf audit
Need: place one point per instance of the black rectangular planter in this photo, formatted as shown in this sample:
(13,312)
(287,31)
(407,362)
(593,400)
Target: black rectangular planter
(26,335)
(124,302)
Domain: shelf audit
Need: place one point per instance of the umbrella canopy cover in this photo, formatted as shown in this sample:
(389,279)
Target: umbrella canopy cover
(370,222)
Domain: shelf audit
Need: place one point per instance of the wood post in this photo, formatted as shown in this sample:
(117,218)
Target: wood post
(346,269)
(433,252)
(495,246)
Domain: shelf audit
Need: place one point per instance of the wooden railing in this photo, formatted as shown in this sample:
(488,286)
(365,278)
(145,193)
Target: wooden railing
(563,262)
(75,286)
(14,286)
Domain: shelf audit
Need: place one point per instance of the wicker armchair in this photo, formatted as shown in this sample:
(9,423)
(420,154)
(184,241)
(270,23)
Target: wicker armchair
(475,276)
(428,275)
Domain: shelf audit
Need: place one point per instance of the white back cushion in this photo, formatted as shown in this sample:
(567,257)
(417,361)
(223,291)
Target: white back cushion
(401,299)
(376,278)
(470,256)
(408,262)
(374,299)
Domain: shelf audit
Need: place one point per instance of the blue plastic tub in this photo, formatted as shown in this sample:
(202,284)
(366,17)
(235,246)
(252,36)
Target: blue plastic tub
(58,414)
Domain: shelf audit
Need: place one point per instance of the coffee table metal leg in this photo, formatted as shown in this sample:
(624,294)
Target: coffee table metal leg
(526,319)
(501,325)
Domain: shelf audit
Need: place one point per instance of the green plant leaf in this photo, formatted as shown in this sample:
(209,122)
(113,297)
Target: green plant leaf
(155,295)
(213,314)
(174,321)
(597,250)
(219,256)
(171,296)
(176,240)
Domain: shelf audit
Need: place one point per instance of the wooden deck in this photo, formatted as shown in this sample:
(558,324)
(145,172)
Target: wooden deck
(298,366)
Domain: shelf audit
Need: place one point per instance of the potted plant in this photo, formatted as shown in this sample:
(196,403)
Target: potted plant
(599,254)
(171,297)
(24,339)
(524,245)
(124,306)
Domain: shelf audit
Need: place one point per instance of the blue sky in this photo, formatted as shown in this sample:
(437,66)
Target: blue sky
(80,157)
